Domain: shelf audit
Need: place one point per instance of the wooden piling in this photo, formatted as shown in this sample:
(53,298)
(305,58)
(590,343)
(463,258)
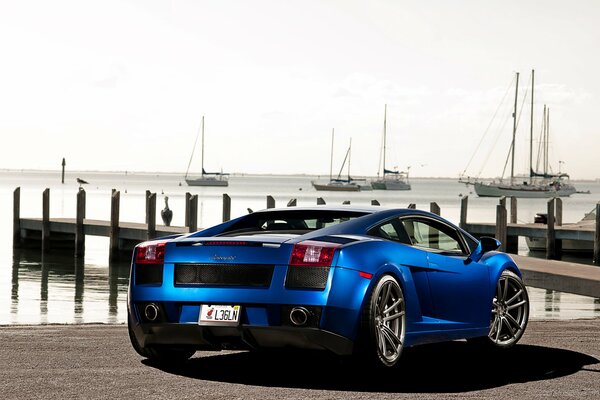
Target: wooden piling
(559,211)
(550,233)
(226,207)
(320,201)
(464,202)
(502,201)
(558,217)
(148,193)
(79,217)
(375,203)
(434,208)
(64,163)
(114,224)
(597,236)
(270,202)
(186,220)
(292,203)
(513,210)
(501,225)
(193,213)
(151,216)
(46,221)
(17,218)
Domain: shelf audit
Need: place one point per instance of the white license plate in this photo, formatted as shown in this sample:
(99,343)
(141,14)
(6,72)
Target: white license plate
(211,314)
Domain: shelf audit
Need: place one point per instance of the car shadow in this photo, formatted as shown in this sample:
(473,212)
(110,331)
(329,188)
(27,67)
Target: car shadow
(446,367)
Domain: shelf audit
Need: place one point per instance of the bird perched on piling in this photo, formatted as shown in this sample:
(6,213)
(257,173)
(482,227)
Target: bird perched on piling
(81,182)
(166,213)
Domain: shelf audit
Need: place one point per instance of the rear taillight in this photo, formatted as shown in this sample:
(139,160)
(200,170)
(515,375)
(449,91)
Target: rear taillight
(150,253)
(313,253)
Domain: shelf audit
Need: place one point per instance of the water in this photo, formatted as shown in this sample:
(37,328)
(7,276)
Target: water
(57,288)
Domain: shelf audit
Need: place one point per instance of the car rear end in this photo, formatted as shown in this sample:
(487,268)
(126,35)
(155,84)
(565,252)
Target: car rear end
(267,291)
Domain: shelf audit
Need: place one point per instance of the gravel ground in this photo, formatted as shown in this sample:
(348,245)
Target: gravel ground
(556,359)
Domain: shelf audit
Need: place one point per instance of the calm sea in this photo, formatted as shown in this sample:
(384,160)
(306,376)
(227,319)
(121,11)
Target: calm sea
(57,288)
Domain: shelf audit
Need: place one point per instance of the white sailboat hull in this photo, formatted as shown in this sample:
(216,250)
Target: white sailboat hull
(523,191)
(390,184)
(207,182)
(336,187)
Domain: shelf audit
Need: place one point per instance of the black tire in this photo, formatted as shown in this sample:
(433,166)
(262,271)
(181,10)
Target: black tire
(510,313)
(165,354)
(381,339)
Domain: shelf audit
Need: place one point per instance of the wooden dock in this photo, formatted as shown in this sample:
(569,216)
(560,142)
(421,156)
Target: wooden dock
(568,277)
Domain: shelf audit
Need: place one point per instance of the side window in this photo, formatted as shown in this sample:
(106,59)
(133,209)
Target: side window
(388,231)
(433,235)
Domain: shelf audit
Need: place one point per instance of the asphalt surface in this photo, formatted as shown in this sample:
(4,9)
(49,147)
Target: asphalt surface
(555,359)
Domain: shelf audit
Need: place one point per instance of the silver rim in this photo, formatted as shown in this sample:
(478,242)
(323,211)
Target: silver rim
(510,310)
(389,319)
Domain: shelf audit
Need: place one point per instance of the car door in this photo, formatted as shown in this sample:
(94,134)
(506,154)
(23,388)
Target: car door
(458,290)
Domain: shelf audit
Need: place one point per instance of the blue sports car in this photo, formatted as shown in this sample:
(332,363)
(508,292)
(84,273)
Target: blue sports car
(353,281)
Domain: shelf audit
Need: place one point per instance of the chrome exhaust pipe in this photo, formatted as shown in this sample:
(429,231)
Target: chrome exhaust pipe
(151,312)
(299,316)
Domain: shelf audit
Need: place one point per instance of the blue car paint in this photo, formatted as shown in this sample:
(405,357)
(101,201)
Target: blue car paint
(435,311)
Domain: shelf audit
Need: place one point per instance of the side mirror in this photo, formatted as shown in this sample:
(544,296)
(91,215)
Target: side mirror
(485,244)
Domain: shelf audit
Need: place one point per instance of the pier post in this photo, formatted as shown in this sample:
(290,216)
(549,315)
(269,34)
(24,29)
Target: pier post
(193,213)
(46,221)
(151,216)
(412,206)
(512,242)
(320,201)
(501,225)
(513,210)
(148,193)
(79,217)
(114,224)
(17,218)
(550,233)
(62,178)
(434,208)
(186,221)
(597,236)
(292,203)
(270,202)
(374,202)
(226,207)
(464,202)
(559,221)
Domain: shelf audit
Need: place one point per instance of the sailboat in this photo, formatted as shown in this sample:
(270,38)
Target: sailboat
(207,178)
(338,184)
(391,180)
(540,184)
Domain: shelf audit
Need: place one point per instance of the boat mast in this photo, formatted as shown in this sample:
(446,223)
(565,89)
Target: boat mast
(349,155)
(531,131)
(384,136)
(331,159)
(512,164)
(202,157)
(547,139)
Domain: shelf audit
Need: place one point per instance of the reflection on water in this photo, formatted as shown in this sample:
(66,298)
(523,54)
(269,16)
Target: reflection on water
(59,288)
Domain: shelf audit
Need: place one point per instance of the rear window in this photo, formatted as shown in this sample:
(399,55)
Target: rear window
(290,221)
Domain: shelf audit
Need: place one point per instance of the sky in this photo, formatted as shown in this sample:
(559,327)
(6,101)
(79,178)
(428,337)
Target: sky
(123,85)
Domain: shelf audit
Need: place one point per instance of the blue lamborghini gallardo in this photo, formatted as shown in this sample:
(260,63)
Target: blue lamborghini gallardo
(353,281)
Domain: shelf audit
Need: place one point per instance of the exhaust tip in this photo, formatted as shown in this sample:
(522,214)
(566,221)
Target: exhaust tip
(151,312)
(299,316)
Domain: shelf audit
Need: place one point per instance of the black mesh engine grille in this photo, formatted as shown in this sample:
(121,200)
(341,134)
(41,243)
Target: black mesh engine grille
(224,274)
(148,274)
(301,277)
